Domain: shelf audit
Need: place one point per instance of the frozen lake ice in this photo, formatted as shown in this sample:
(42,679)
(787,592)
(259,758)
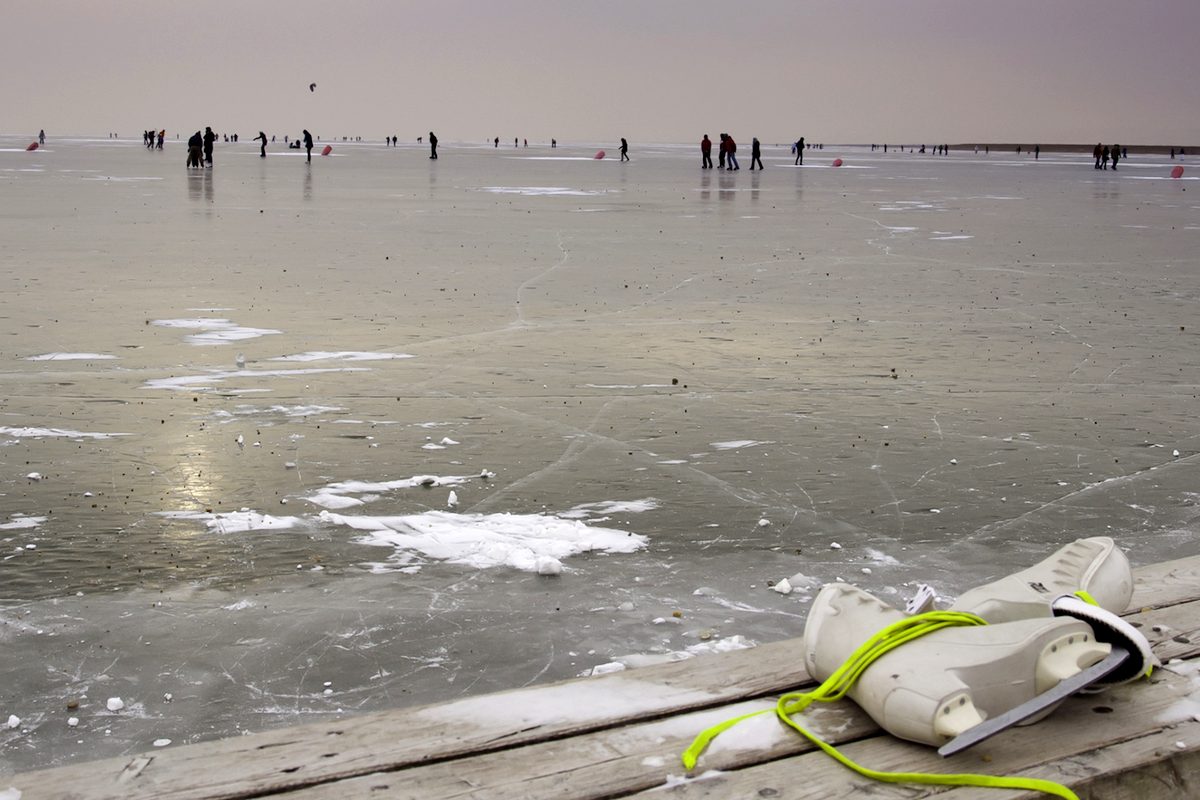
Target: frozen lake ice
(283,441)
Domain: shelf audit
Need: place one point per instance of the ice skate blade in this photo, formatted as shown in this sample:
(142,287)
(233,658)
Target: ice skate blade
(1062,691)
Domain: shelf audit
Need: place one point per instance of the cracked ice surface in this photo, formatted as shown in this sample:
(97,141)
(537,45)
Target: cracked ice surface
(681,367)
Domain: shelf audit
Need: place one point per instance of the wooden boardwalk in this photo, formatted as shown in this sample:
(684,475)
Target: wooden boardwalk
(620,735)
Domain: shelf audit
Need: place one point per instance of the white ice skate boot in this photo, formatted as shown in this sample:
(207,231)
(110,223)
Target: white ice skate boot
(942,684)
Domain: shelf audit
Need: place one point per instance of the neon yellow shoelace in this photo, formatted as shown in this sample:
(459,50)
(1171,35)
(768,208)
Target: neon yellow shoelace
(840,682)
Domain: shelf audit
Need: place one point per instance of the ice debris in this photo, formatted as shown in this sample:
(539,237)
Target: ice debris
(549,565)
(13,720)
(520,541)
(115,704)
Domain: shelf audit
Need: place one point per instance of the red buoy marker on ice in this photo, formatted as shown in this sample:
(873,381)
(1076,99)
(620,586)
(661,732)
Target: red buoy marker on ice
(837,162)
(1177,172)
(34,146)
(599,155)
(327,150)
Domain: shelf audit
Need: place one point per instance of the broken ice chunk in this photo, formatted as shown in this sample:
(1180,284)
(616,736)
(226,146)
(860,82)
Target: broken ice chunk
(548,565)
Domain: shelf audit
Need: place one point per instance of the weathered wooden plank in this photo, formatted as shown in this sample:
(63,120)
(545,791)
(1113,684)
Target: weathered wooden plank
(1167,583)
(603,764)
(1173,631)
(1151,767)
(1054,745)
(627,759)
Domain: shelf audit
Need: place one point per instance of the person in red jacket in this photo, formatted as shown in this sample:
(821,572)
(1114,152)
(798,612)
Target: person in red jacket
(706,152)
(730,149)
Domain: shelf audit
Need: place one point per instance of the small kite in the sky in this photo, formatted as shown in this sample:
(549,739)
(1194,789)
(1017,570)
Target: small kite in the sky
(312,87)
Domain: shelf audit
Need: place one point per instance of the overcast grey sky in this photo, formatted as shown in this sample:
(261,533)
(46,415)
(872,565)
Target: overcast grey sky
(649,70)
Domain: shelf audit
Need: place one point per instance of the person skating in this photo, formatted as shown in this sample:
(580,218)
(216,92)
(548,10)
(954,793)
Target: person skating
(624,149)
(308,145)
(262,153)
(706,152)
(755,153)
(209,139)
(195,150)
(432,145)
(731,162)
(800,152)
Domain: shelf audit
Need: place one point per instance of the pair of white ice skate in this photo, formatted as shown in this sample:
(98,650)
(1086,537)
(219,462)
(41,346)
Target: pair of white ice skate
(1050,631)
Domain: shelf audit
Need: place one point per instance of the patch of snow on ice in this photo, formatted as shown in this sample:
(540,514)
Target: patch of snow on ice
(341,355)
(214,331)
(737,444)
(235,521)
(334,495)
(880,557)
(202,382)
(240,605)
(20,522)
(70,357)
(47,433)
(606,507)
(482,541)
